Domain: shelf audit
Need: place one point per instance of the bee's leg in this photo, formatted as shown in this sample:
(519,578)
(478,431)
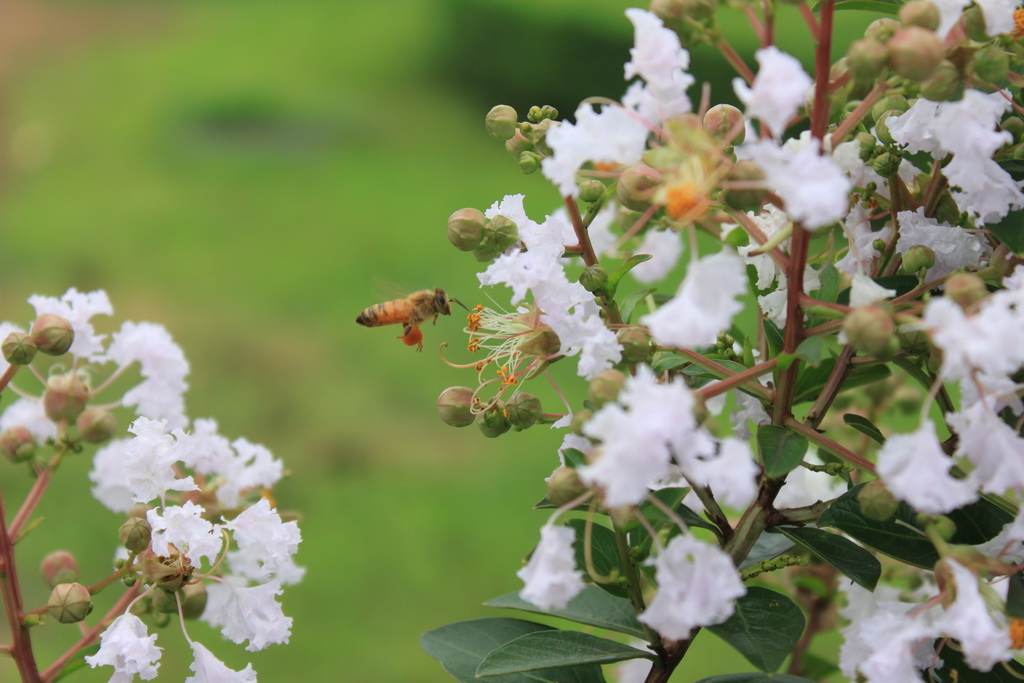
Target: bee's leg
(411,334)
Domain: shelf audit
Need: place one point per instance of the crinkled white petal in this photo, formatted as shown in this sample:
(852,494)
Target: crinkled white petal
(778,91)
(126,646)
(665,247)
(551,578)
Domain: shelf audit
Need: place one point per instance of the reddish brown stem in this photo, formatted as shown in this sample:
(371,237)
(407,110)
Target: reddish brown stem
(21,642)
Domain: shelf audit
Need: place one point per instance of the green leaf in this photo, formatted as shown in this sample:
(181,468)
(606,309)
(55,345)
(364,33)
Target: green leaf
(978,522)
(766,547)
(592,606)
(604,553)
(574,458)
(864,426)
(668,361)
(773,335)
(785,361)
(620,272)
(843,554)
(881,6)
(755,677)
(781,449)
(555,649)
(1015,596)
(811,379)
(1010,231)
(812,350)
(828,276)
(630,301)
(462,646)
(765,627)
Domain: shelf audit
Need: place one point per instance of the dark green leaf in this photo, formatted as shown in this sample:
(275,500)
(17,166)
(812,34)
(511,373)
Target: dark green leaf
(786,360)
(764,629)
(811,379)
(1015,167)
(630,301)
(592,606)
(555,649)
(881,6)
(901,283)
(573,457)
(460,647)
(864,426)
(843,554)
(766,547)
(755,677)
(668,361)
(1010,231)
(812,350)
(773,335)
(955,670)
(978,522)
(1015,596)
(604,553)
(781,449)
(620,272)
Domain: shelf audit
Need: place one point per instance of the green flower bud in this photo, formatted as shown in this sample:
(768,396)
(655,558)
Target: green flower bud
(990,64)
(887,104)
(594,278)
(868,146)
(944,85)
(867,59)
(541,114)
(135,534)
(966,289)
(493,421)
(518,144)
(920,13)
(194,599)
(871,330)
(915,53)
(580,418)
(19,348)
(564,485)
(529,162)
(1014,125)
(882,127)
(537,134)
(724,123)
(974,25)
(65,397)
(96,425)
(159,619)
(58,567)
(637,186)
(523,410)
(636,343)
(502,232)
(541,342)
(913,342)
(502,122)
(454,406)
(466,229)
(876,501)
(882,30)
(164,602)
(945,527)
(52,334)
(744,198)
(69,603)
(917,258)
(18,444)
(591,190)
(886,164)
(605,387)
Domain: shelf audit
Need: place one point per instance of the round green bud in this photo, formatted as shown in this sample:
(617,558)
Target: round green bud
(160,619)
(921,13)
(886,164)
(541,114)
(135,534)
(96,425)
(913,342)
(1014,125)
(870,330)
(876,501)
(737,238)
(744,198)
(65,397)
(867,59)
(974,25)
(881,30)
(868,146)
(594,278)
(915,53)
(17,444)
(493,422)
(454,406)
(501,232)
(945,527)
(466,229)
(637,186)
(724,123)
(636,343)
(580,418)
(537,134)
(52,334)
(193,599)
(991,64)
(58,567)
(529,162)
(893,105)
(164,602)
(966,289)
(943,85)
(591,190)
(541,342)
(563,486)
(502,122)
(518,144)
(19,348)
(69,603)
(523,410)
(882,127)
(917,258)
(605,387)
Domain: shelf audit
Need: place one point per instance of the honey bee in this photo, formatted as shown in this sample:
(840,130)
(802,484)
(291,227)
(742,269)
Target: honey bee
(409,312)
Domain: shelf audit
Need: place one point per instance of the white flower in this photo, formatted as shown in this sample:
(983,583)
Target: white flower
(251,466)
(143,465)
(616,135)
(77,308)
(984,642)
(551,578)
(865,291)
(208,669)
(184,526)
(248,614)
(265,545)
(730,471)
(704,305)
(989,342)
(779,89)
(915,469)
(998,15)
(995,448)
(697,586)
(29,413)
(658,58)
(163,368)
(127,647)
(665,248)
(862,252)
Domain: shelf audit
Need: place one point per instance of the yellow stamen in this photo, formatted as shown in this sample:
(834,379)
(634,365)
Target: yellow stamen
(1018,20)
(1017,627)
(686,200)
(474,345)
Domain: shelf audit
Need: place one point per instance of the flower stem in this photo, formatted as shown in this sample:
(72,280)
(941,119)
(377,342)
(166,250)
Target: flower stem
(21,642)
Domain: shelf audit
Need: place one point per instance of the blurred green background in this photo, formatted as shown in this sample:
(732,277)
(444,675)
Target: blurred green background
(251,175)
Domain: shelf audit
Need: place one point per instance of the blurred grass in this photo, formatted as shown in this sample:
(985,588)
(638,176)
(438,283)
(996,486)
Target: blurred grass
(251,175)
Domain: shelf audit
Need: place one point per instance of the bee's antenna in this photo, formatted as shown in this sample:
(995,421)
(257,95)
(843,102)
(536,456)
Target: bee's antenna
(458,302)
